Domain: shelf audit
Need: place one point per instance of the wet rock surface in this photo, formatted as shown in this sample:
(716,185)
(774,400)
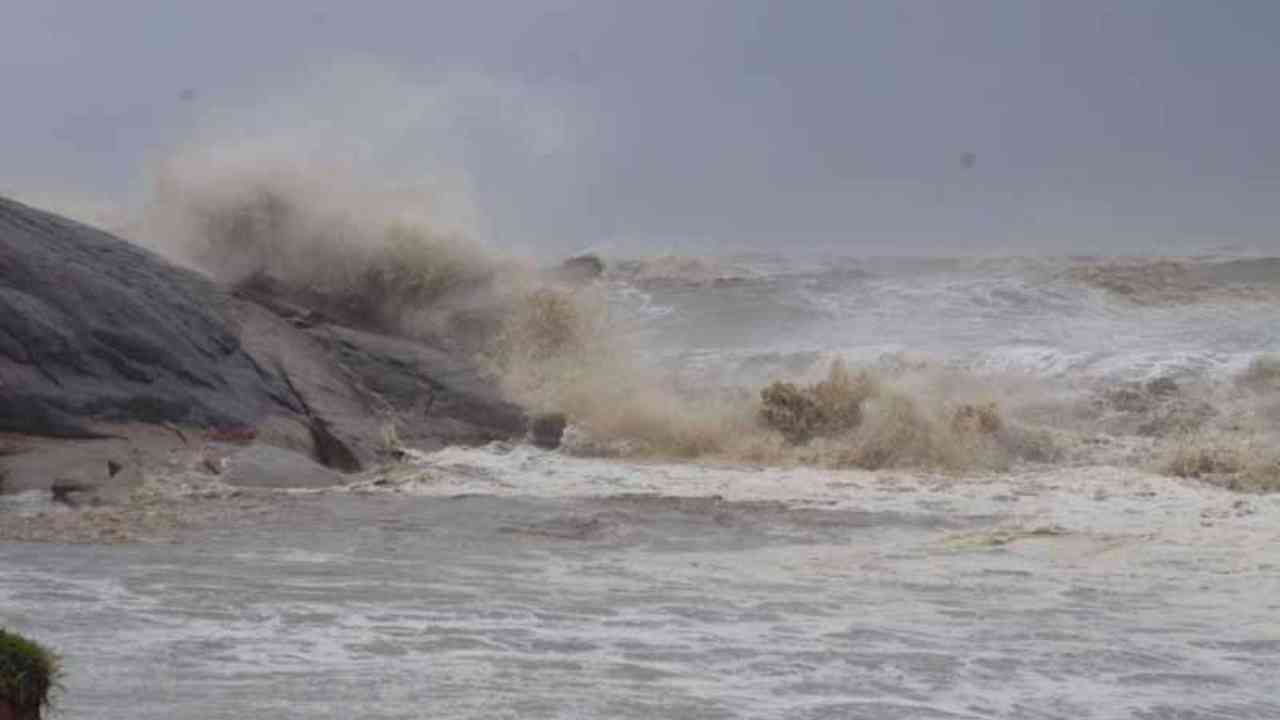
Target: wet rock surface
(99,337)
(547,430)
(94,329)
(580,269)
(80,472)
(263,466)
(434,396)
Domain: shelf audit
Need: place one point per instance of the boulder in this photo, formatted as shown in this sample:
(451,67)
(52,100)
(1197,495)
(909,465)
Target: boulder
(580,269)
(94,329)
(99,338)
(547,430)
(433,397)
(263,466)
(85,471)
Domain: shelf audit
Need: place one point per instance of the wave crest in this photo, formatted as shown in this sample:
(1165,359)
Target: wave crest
(365,255)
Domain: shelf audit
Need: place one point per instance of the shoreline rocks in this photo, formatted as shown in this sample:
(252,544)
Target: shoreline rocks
(110,357)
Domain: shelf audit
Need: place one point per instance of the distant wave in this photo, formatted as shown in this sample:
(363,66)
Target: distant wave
(680,271)
(1173,282)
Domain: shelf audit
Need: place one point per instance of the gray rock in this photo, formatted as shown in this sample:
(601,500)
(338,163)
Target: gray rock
(80,472)
(93,328)
(262,466)
(547,430)
(580,269)
(435,398)
(98,336)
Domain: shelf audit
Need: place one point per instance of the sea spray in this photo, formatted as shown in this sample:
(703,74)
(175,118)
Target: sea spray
(324,234)
(374,255)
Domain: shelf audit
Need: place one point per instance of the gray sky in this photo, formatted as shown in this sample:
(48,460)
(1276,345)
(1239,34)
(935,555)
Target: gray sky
(1131,126)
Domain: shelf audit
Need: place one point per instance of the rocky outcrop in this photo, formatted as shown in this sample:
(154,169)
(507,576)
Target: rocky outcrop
(263,466)
(580,269)
(95,330)
(547,430)
(99,337)
(433,397)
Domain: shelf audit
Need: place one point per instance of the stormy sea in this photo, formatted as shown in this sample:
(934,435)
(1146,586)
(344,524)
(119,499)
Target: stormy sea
(791,486)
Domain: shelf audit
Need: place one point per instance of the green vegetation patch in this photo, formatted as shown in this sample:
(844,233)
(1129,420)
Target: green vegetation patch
(29,673)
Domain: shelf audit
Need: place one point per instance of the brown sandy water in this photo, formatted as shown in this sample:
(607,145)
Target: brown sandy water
(510,583)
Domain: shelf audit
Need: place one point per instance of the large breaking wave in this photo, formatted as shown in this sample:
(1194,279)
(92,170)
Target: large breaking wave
(948,365)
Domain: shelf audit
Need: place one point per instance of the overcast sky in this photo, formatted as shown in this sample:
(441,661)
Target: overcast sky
(1092,126)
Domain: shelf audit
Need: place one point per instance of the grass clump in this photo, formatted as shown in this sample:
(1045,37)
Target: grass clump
(29,674)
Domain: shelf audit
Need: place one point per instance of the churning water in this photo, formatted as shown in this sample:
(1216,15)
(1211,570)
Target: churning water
(509,582)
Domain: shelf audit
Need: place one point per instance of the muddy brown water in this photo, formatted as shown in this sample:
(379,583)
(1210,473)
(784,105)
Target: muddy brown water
(640,606)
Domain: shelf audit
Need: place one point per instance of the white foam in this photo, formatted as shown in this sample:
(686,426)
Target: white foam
(1088,499)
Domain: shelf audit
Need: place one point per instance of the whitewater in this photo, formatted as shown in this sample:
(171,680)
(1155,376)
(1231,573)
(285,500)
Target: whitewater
(1107,550)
